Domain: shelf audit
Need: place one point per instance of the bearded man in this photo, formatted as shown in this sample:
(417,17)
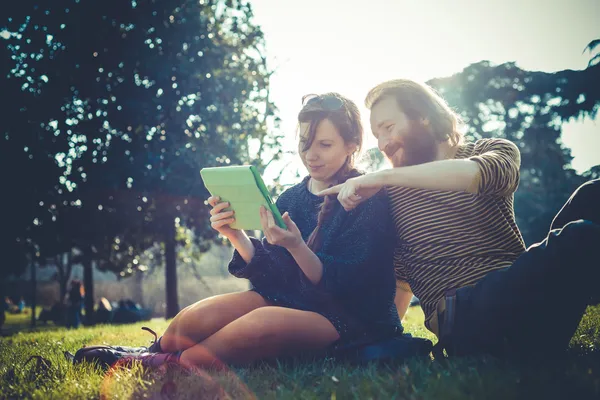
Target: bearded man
(459,249)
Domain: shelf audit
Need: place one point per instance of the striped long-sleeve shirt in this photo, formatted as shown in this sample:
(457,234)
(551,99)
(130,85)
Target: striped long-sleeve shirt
(451,239)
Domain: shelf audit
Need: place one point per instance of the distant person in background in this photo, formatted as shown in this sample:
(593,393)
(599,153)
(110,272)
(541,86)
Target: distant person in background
(22,304)
(125,314)
(132,305)
(75,303)
(8,304)
(57,314)
(103,313)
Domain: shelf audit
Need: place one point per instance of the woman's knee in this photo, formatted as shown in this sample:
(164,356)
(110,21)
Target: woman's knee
(200,320)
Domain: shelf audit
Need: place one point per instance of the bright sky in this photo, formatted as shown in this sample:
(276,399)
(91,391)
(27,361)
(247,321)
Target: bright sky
(348,46)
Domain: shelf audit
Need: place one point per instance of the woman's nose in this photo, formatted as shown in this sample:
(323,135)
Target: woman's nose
(311,155)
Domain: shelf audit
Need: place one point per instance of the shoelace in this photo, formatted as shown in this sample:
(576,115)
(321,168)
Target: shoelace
(145,328)
(40,368)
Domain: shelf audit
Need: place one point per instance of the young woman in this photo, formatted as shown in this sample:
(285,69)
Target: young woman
(325,281)
(75,301)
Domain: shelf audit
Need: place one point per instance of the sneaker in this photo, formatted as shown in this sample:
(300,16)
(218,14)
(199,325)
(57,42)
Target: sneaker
(104,356)
(108,356)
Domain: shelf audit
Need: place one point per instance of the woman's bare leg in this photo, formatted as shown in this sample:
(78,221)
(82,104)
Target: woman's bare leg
(200,320)
(264,333)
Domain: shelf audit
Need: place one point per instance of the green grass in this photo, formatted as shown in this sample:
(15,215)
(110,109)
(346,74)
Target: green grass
(577,377)
(22,323)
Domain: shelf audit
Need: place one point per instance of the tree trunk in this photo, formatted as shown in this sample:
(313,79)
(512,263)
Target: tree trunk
(33,292)
(2,295)
(171,270)
(62,284)
(63,269)
(88,286)
(139,287)
(66,275)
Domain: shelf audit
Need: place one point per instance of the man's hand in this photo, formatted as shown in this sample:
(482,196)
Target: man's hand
(290,239)
(352,192)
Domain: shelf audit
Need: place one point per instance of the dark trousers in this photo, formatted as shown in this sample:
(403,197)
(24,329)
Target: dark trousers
(533,307)
(74,315)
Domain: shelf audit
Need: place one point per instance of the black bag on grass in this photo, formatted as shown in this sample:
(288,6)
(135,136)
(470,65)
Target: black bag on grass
(395,348)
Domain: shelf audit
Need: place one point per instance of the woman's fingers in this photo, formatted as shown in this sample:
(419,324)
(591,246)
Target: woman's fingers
(220,219)
(270,219)
(220,216)
(273,233)
(221,223)
(213,200)
(263,218)
(219,207)
(265,223)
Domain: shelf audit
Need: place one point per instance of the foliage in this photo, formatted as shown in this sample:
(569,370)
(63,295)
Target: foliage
(121,104)
(528,108)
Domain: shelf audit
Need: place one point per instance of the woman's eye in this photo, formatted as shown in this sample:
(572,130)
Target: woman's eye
(326,145)
(389,128)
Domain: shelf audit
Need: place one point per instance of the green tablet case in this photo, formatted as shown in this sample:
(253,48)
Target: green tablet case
(243,187)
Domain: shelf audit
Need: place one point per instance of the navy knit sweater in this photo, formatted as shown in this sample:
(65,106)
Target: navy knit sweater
(356,292)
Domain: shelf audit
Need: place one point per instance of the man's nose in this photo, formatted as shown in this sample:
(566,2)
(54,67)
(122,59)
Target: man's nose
(382,142)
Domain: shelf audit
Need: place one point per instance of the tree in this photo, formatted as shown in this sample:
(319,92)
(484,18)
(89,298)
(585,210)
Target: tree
(156,91)
(64,267)
(528,108)
(51,126)
(592,48)
(199,94)
(29,170)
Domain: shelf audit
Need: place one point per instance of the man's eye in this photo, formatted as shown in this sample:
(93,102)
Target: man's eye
(325,145)
(389,128)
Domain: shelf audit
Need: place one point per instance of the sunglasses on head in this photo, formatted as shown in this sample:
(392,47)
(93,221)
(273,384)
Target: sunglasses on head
(328,102)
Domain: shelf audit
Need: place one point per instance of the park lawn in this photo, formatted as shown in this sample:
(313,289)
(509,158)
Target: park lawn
(577,377)
(22,323)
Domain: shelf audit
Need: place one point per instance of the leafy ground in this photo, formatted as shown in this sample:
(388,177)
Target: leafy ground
(577,377)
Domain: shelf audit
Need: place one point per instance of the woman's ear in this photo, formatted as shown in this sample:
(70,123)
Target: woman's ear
(351,148)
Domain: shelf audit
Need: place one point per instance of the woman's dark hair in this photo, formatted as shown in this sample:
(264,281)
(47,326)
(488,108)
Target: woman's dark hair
(345,116)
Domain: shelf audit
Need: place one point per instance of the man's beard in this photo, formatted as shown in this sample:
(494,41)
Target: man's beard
(418,146)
